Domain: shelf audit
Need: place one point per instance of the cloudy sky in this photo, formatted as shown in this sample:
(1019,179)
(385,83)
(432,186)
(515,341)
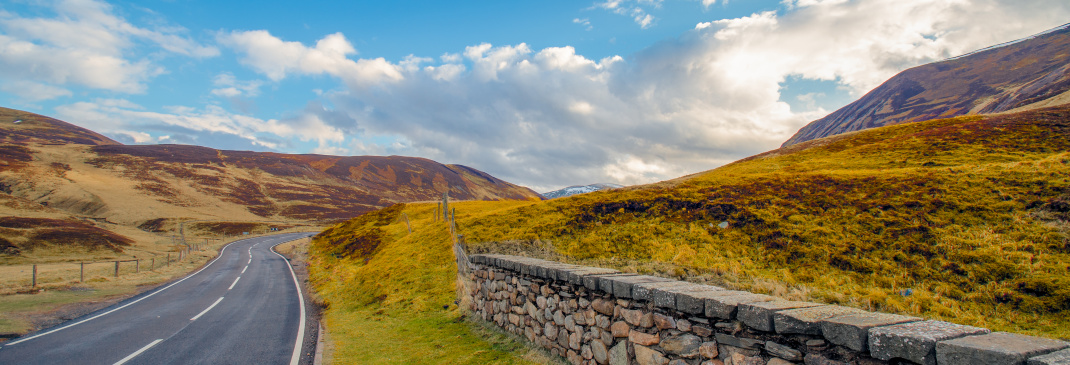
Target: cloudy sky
(542,93)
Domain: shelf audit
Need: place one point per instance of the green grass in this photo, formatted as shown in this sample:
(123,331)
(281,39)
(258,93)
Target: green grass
(970,214)
(390,296)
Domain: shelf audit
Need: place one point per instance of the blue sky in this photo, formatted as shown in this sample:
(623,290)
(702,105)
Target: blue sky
(544,93)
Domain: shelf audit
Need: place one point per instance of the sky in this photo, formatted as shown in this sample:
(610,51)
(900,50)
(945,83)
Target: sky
(545,94)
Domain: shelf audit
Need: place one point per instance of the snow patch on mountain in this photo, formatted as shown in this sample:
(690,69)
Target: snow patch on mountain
(579,189)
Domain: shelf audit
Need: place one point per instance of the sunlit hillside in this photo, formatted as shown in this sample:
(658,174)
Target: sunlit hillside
(962,219)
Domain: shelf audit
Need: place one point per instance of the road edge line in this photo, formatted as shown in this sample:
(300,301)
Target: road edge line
(295,359)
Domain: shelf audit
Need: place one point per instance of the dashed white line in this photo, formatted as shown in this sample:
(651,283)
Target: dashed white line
(138,352)
(209,308)
(246,268)
(235,283)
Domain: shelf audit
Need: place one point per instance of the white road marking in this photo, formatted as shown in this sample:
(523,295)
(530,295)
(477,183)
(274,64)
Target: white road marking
(125,305)
(246,268)
(138,352)
(209,308)
(235,283)
(295,359)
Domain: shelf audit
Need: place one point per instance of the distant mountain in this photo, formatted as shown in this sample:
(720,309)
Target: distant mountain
(52,169)
(1026,74)
(579,189)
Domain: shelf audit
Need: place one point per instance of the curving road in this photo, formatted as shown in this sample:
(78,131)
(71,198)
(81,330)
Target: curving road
(245,307)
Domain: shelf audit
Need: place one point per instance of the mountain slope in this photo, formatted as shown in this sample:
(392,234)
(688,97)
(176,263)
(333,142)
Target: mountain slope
(63,171)
(1022,75)
(971,214)
(579,189)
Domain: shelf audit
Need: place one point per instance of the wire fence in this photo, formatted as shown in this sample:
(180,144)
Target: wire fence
(31,276)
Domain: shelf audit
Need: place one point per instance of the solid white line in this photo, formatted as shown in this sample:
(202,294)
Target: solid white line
(127,304)
(235,283)
(209,307)
(295,359)
(138,352)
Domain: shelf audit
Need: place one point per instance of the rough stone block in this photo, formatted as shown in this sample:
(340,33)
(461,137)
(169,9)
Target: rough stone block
(746,343)
(665,297)
(647,356)
(694,301)
(783,351)
(644,339)
(605,283)
(807,321)
(683,345)
(618,355)
(915,341)
(622,285)
(994,348)
(645,291)
(591,281)
(759,315)
(1055,358)
(852,330)
(575,276)
(726,306)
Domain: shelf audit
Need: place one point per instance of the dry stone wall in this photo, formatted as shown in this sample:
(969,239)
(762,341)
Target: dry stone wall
(591,315)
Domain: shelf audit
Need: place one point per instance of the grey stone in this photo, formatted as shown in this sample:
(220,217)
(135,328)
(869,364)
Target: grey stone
(818,359)
(665,297)
(683,345)
(622,285)
(746,343)
(783,351)
(605,282)
(852,330)
(994,348)
(647,356)
(1055,358)
(591,281)
(727,351)
(759,315)
(807,321)
(677,362)
(915,341)
(694,301)
(599,352)
(664,321)
(777,361)
(575,276)
(726,306)
(645,291)
(618,355)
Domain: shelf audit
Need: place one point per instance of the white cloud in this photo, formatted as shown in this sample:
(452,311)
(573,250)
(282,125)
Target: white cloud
(228,86)
(122,117)
(585,23)
(276,58)
(85,44)
(29,91)
(550,117)
(630,8)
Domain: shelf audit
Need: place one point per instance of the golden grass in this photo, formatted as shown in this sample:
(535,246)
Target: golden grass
(960,219)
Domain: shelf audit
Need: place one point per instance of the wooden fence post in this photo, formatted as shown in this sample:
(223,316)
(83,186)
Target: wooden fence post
(117,268)
(137,265)
(34,283)
(81,272)
(152,264)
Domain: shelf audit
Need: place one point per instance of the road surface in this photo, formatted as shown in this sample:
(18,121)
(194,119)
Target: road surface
(242,308)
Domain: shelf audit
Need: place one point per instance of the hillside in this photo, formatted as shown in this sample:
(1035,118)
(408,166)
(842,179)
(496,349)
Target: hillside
(964,219)
(51,169)
(1023,75)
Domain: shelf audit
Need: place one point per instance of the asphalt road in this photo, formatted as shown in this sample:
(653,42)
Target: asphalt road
(245,307)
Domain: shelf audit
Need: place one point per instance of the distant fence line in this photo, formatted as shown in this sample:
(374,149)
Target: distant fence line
(165,260)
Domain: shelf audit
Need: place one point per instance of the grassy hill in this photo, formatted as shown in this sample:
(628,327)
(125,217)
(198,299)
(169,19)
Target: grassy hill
(962,219)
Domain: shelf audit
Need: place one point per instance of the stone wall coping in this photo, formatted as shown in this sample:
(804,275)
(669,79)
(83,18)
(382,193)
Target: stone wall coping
(884,336)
